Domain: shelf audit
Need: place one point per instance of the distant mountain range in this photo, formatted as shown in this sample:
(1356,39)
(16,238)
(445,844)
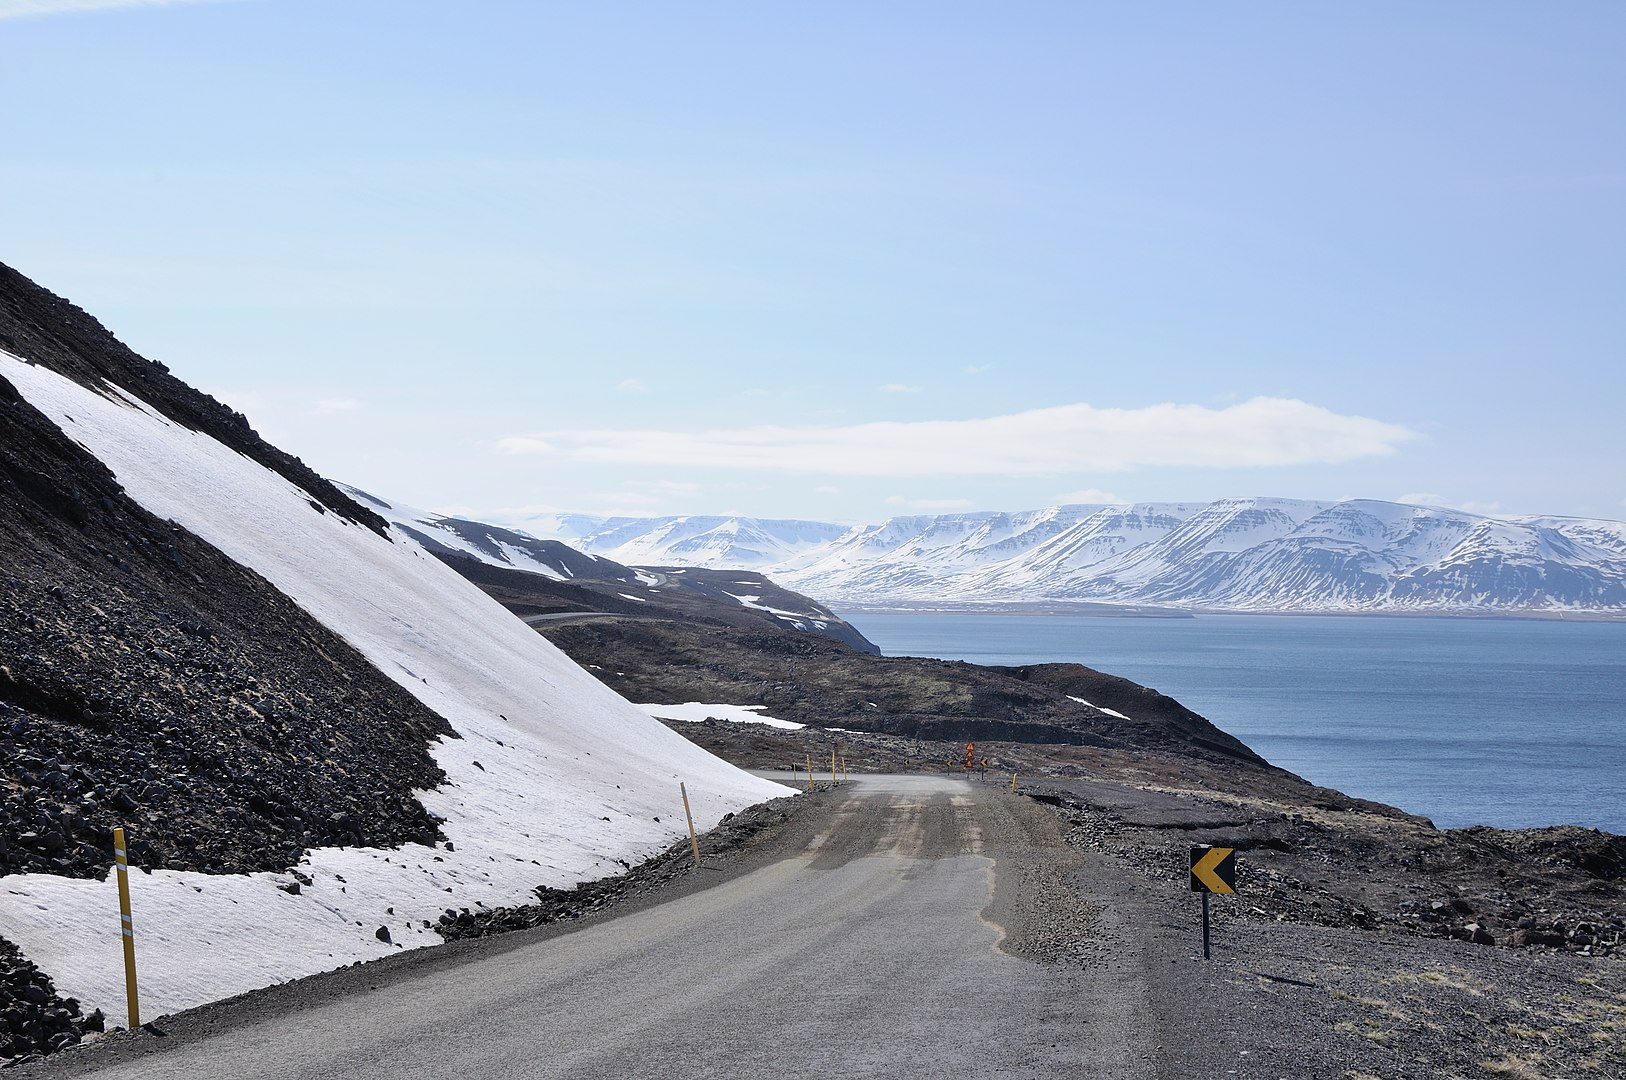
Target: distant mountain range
(1253,554)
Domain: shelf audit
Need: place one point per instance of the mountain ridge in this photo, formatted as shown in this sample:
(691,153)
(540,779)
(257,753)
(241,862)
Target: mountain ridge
(1263,555)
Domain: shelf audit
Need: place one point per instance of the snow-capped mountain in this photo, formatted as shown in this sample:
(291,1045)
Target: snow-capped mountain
(1256,554)
(722,542)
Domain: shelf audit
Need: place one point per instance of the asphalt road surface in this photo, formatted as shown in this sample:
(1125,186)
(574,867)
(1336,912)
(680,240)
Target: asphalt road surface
(894,936)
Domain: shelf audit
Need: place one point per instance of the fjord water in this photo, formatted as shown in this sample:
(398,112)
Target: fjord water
(1508,722)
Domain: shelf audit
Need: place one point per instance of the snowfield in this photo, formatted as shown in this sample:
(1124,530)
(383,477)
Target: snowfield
(696,711)
(554,780)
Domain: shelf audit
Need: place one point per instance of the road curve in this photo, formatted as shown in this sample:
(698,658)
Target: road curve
(878,948)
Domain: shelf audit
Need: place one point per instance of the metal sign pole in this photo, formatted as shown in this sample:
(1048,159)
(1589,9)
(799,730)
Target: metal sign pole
(1205,926)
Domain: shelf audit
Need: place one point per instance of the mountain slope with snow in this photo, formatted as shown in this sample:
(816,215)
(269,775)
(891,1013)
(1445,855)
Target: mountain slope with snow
(1265,555)
(549,777)
(595,583)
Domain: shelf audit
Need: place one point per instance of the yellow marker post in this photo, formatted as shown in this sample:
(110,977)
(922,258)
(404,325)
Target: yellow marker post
(694,842)
(843,768)
(1013,783)
(809,772)
(832,768)
(121,864)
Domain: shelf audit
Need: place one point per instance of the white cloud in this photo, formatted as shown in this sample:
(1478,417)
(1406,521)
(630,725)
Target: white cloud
(1053,441)
(1089,495)
(899,388)
(667,487)
(930,504)
(619,501)
(632,386)
(17,9)
(1468,506)
(978,369)
(327,406)
(827,489)
(524,444)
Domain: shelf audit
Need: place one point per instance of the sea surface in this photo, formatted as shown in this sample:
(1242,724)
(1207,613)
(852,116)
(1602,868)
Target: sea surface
(1508,722)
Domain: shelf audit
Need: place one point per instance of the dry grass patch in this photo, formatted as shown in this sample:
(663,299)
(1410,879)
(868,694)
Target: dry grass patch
(1516,1068)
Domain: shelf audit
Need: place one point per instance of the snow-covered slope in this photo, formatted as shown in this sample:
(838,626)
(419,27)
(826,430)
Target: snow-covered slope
(492,544)
(1235,554)
(553,778)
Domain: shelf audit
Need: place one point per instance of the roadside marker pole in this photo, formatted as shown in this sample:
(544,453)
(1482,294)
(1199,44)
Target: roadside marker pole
(832,768)
(694,843)
(121,863)
(1205,926)
(1013,783)
(809,771)
(843,768)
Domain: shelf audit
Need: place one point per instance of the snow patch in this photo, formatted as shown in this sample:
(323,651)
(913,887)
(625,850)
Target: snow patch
(695,711)
(1098,708)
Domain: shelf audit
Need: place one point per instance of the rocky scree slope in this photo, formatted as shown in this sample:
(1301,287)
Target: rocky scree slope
(146,679)
(149,681)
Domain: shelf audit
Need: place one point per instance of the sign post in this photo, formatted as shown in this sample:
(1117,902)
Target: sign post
(694,842)
(121,863)
(1213,870)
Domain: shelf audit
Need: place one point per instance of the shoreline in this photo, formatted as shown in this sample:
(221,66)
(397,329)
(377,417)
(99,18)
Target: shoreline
(1091,609)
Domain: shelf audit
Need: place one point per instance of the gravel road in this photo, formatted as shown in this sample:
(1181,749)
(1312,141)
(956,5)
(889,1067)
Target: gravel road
(904,926)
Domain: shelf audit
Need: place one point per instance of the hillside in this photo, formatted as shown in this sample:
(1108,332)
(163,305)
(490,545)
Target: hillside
(1261,555)
(541,580)
(318,736)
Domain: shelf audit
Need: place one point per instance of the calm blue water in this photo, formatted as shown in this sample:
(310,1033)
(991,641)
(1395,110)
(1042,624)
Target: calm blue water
(1504,722)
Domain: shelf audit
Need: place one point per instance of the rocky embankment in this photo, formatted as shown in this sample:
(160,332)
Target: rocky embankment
(148,681)
(1562,888)
(34,1020)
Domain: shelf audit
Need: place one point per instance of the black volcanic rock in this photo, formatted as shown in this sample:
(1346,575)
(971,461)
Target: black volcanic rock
(1158,717)
(826,684)
(148,680)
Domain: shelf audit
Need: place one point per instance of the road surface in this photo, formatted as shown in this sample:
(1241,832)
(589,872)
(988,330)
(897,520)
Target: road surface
(879,943)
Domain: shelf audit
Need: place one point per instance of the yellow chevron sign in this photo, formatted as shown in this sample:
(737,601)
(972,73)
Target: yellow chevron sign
(1213,869)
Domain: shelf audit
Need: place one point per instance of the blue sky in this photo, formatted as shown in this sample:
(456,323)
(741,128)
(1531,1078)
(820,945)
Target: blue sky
(850,260)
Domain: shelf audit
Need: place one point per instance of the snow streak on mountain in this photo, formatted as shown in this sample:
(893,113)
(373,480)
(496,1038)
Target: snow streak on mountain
(1256,554)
